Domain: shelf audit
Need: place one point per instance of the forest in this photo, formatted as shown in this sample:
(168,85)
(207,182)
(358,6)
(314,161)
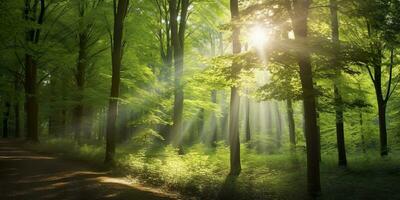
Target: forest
(205,99)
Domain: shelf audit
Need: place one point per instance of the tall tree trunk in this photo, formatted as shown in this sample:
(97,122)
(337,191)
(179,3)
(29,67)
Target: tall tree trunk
(214,123)
(376,77)
(247,120)
(52,125)
(361,131)
(200,126)
(178,39)
(292,129)
(6,116)
(278,126)
(381,105)
(120,12)
(234,141)
(300,20)
(32,36)
(338,102)
(54,114)
(17,119)
(225,116)
(382,127)
(88,122)
(31,99)
(124,118)
(80,82)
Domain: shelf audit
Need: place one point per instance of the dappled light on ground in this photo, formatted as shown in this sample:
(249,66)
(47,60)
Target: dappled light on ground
(25,175)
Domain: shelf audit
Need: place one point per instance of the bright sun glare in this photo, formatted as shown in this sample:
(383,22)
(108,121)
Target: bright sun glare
(258,36)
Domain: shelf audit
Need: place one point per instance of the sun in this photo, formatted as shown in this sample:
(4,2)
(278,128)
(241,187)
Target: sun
(258,36)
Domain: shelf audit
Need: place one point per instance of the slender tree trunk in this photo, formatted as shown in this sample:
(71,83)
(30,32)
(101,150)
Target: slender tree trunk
(6,116)
(52,125)
(299,20)
(382,127)
(234,141)
(376,77)
(337,98)
(247,120)
(362,132)
(53,114)
(117,51)
(278,126)
(214,124)
(17,119)
(292,129)
(88,123)
(381,105)
(268,116)
(200,126)
(225,116)
(17,108)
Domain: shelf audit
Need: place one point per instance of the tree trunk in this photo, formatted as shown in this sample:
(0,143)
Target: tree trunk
(214,124)
(117,48)
(234,141)
(292,129)
(268,117)
(338,102)
(17,120)
(300,20)
(278,126)
(54,114)
(80,82)
(200,127)
(17,109)
(31,99)
(32,36)
(6,116)
(178,40)
(88,123)
(382,127)
(247,120)
(381,105)
(362,132)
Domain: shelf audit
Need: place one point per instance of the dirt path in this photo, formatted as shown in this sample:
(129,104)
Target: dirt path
(26,175)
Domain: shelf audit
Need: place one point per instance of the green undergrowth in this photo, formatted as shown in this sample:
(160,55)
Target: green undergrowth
(202,172)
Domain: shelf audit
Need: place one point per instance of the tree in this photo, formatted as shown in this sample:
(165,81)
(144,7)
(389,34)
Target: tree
(234,142)
(176,9)
(120,11)
(381,39)
(298,11)
(86,39)
(6,116)
(337,94)
(32,37)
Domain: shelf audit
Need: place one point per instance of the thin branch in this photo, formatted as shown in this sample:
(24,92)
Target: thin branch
(388,92)
(370,74)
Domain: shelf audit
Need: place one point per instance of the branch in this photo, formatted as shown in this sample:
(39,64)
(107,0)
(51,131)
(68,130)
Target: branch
(98,52)
(370,74)
(388,92)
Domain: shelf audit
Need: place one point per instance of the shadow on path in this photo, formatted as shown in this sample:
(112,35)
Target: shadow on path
(26,175)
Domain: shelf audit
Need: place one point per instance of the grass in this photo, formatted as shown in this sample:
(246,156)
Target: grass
(202,172)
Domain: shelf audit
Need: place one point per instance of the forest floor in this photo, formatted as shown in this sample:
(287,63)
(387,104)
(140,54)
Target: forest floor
(201,173)
(28,175)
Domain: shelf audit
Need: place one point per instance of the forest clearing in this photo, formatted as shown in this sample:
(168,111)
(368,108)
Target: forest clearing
(200,99)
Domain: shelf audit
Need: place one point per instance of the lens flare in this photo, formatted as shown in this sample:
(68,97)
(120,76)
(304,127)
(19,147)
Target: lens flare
(258,36)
